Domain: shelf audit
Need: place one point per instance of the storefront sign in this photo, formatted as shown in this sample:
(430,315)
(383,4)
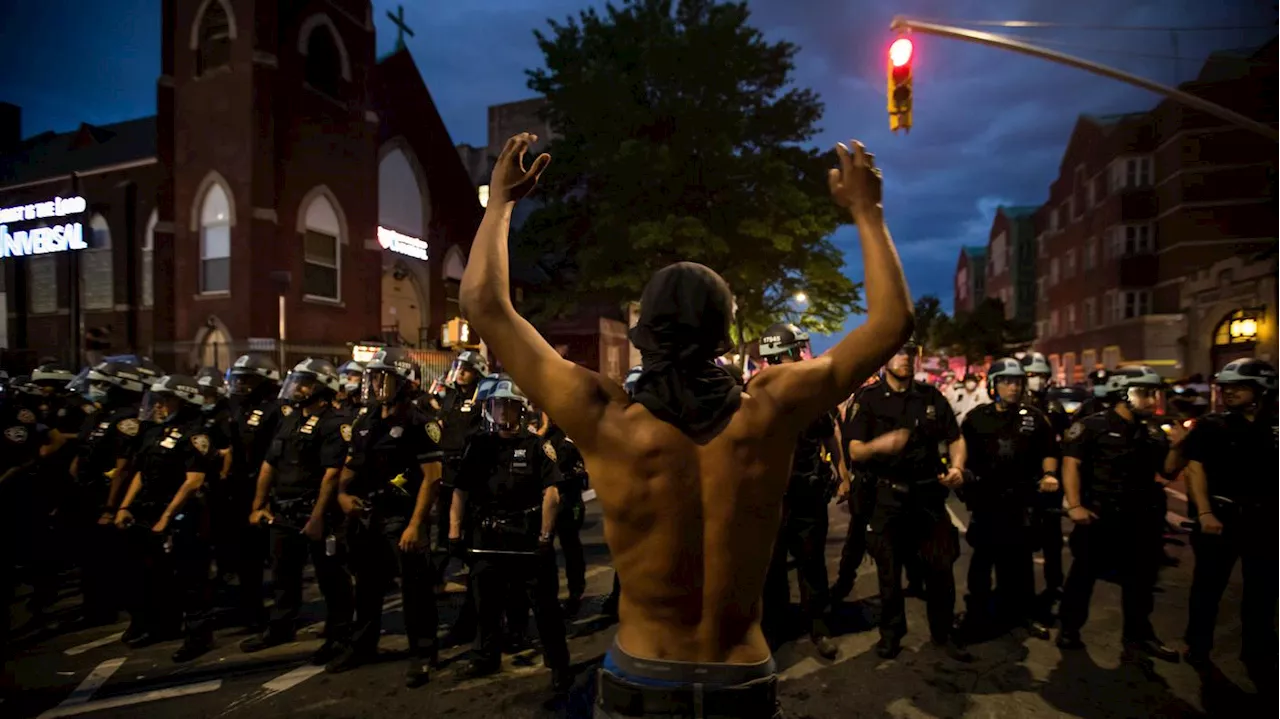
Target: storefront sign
(42,240)
(403,244)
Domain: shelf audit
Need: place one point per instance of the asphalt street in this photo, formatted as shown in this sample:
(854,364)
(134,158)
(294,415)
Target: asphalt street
(90,673)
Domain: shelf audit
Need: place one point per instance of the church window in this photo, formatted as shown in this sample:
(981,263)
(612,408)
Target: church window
(215,241)
(321,250)
(213,48)
(324,60)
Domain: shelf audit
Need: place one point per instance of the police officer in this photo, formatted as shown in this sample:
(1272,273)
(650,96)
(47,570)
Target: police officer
(1012,455)
(219,422)
(967,396)
(572,513)
(858,489)
(1046,507)
(253,383)
(803,531)
(1231,477)
(1110,460)
(386,488)
(510,480)
(1101,399)
(164,513)
(21,440)
(296,498)
(460,417)
(349,374)
(895,434)
(105,449)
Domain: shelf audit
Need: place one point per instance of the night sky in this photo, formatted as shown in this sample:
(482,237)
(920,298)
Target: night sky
(990,125)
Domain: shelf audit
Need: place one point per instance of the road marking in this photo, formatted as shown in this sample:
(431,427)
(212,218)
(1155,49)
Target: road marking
(131,699)
(91,684)
(956,520)
(285,682)
(1176,494)
(74,651)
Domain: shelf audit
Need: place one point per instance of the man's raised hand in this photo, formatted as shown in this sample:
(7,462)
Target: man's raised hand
(856,184)
(511,182)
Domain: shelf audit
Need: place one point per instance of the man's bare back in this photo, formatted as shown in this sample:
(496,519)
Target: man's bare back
(690,522)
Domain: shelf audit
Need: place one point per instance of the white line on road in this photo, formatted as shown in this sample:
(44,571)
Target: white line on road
(956,521)
(131,699)
(1176,494)
(110,638)
(91,684)
(285,682)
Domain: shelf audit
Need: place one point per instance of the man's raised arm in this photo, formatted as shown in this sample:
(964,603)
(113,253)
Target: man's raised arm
(572,396)
(807,389)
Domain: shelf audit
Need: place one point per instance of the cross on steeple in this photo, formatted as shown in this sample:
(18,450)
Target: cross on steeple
(402,29)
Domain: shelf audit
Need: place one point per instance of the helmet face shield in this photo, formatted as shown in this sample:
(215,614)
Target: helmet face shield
(159,406)
(1010,389)
(1234,395)
(505,413)
(1144,400)
(462,373)
(793,353)
(380,386)
(298,387)
(242,384)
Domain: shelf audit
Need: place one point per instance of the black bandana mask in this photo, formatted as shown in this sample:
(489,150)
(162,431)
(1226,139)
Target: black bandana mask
(685,313)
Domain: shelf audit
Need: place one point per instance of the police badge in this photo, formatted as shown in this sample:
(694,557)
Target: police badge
(1074,432)
(931,412)
(286,409)
(548,450)
(128,427)
(201,443)
(346,432)
(433,431)
(396,432)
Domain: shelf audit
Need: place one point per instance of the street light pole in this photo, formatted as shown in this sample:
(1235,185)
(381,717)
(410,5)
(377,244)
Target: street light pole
(901,23)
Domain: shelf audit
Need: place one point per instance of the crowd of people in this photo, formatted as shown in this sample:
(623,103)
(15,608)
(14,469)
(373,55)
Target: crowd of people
(710,489)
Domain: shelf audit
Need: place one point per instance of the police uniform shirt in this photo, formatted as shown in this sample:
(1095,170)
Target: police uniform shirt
(1057,415)
(384,448)
(460,420)
(1094,405)
(1239,456)
(255,429)
(507,475)
(304,448)
(569,460)
(67,414)
(106,437)
(810,474)
(168,453)
(1119,460)
(21,436)
(1007,448)
(220,425)
(920,408)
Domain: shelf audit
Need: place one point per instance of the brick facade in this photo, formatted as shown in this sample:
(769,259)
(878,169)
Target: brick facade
(970,278)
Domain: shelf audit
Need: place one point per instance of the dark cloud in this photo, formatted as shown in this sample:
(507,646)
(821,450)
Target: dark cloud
(990,125)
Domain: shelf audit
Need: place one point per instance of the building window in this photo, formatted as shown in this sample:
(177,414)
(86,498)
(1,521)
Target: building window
(1042,246)
(1137,239)
(148,298)
(1239,327)
(215,241)
(1135,303)
(96,286)
(1071,319)
(1053,220)
(1053,272)
(1090,313)
(1107,302)
(1090,253)
(1131,172)
(1079,194)
(321,251)
(1111,357)
(324,60)
(213,48)
(452,307)
(1053,323)
(1069,262)
(42,278)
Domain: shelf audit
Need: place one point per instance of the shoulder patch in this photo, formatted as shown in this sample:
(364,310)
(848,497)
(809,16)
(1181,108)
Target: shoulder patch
(548,450)
(433,431)
(1074,431)
(26,416)
(345,430)
(286,409)
(128,427)
(201,443)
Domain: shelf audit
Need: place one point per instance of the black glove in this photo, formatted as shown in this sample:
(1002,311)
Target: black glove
(457,548)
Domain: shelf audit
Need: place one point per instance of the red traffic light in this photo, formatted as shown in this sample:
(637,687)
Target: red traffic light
(900,52)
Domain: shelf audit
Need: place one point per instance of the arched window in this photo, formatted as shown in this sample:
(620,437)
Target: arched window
(215,349)
(147,283)
(96,286)
(1238,328)
(324,60)
(215,241)
(213,38)
(321,250)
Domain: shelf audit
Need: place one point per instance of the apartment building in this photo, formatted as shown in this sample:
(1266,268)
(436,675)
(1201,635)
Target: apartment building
(971,278)
(1011,262)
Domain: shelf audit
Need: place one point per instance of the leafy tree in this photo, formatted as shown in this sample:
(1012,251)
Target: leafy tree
(678,138)
(981,333)
(928,316)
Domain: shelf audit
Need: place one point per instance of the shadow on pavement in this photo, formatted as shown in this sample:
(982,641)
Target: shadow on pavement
(1079,686)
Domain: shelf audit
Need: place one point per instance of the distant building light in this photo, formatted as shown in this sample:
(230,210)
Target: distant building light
(1244,329)
(403,244)
(483,194)
(364,353)
(42,240)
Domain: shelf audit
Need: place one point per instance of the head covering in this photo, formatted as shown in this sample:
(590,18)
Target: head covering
(685,313)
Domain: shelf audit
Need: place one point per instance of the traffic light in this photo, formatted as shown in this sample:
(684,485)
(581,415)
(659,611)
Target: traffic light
(899,90)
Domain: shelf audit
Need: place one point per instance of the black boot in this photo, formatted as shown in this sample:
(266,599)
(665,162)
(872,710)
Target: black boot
(827,649)
(477,669)
(193,647)
(1069,639)
(348,658)
(326,653)
(418,672)
(888,647)
(1151,647)
(1036,629)
(263,641)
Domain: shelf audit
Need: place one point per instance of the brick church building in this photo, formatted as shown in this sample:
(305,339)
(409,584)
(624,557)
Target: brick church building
(292,195)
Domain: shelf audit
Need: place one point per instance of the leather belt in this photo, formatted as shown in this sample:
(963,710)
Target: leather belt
(754,700)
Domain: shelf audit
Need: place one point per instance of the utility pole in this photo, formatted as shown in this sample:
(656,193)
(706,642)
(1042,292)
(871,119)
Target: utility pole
(901,24)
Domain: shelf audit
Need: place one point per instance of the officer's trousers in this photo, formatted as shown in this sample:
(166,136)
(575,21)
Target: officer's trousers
(497,576)
(1000,541)
(98,550)
(175,587)
(1046,535)
(248,547)
(1215,559)
(1128,542)
(376,560)
(895,538)
(289,552)
(804,537)
(568,530)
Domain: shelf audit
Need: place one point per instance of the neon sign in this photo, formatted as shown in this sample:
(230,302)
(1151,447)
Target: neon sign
(402,244)
(42,240)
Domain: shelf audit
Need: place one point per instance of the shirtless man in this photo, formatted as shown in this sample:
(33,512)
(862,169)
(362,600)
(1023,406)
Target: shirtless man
(691,472)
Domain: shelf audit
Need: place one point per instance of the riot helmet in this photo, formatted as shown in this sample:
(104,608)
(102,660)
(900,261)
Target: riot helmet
(1038,372)
(350,373)
(783,343)
(633,376)
(309,381)
(1138,386)
(1243,383)
(171,397)
(252,374)
(438,387)
(1098,382)
(505,407)
(52,378)
(467,369)
(1006,382)
(389,377)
